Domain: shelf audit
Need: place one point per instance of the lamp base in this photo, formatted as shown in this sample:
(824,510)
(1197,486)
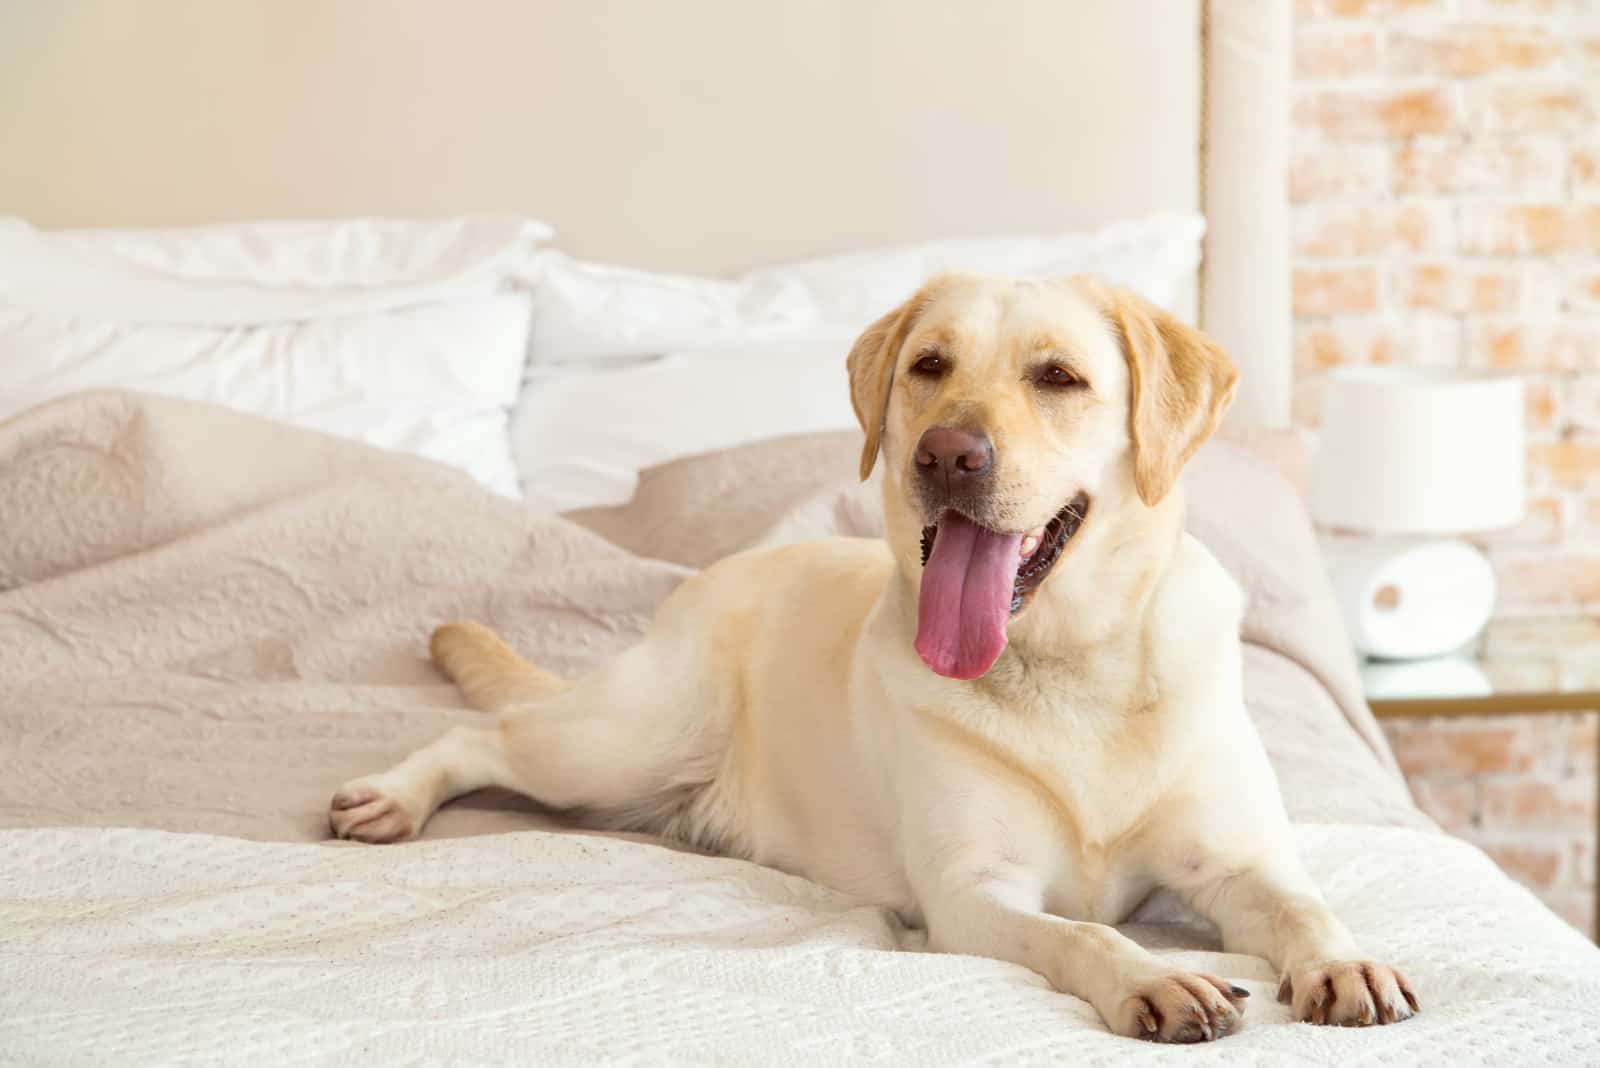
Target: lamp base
(1451,675)
(1407,598)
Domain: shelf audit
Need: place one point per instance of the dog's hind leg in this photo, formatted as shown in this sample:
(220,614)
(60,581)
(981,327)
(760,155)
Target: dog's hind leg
(616,744)
(393,805)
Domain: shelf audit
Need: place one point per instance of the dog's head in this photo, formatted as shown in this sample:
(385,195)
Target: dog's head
(1009,414)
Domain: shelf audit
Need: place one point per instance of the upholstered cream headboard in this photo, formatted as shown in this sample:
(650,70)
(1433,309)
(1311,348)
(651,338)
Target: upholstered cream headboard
(691,135)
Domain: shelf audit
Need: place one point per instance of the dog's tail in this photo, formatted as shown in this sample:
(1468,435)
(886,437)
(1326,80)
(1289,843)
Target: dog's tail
(489,672)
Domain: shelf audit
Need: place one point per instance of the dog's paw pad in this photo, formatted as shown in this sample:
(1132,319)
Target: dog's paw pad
(1349,993)
(363,812)
(1181,1007)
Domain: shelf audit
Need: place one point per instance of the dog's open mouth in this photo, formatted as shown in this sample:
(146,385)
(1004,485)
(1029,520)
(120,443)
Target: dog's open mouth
(974,579)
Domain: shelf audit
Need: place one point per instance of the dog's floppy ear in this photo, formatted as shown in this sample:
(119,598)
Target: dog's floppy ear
(871,367)
(1181,382)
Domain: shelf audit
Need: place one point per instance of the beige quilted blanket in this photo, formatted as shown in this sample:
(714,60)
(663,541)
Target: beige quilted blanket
(208,621)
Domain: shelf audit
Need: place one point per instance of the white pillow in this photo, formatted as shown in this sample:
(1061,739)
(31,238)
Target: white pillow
(630,369)
(406,335)
(590,312)
(583,434)
(1154,257)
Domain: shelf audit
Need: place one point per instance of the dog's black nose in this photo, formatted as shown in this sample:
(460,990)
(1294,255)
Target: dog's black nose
(952,456)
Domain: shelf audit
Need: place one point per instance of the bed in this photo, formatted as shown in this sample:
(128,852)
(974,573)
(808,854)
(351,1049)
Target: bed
(210,617)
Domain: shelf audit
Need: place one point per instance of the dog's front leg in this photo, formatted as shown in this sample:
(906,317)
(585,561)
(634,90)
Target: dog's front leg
(1274,910)
(992,909)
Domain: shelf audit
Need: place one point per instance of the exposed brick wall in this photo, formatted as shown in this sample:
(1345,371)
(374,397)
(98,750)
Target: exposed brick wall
(1522,789)
(1446,188)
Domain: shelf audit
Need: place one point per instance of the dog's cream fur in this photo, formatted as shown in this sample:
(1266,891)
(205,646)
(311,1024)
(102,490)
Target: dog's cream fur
(778,711)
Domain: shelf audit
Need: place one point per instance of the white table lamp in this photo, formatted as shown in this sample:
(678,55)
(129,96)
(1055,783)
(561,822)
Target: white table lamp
(1409,457)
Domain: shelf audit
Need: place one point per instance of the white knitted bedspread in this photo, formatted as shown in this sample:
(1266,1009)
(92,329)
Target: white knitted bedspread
(133,947)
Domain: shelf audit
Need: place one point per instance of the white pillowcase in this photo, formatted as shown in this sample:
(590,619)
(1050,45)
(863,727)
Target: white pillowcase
(583,434)
(1154,257)
(630,369)
(407,335)
(593,312)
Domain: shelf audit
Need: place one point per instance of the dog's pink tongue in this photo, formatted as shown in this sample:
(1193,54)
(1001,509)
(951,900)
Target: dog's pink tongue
(966,598)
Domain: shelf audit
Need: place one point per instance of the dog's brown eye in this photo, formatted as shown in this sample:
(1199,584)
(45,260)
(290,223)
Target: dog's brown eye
(1056,375)
(931,365)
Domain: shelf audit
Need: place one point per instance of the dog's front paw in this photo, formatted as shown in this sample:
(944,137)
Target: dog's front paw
(365,811)
(1180,1007)
(1348,993)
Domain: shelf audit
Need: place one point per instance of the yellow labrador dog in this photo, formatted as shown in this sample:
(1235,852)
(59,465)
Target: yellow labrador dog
(1010,721)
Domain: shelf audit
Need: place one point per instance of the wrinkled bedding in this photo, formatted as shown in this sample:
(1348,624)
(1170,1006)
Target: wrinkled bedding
(208,621)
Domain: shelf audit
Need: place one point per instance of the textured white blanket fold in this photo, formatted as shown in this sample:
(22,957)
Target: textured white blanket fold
(140,947)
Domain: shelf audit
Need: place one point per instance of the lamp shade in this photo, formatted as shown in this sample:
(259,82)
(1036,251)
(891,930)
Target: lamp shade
(1411,451)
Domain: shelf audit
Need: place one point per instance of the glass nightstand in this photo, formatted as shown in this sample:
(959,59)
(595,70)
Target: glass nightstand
(1545,667)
